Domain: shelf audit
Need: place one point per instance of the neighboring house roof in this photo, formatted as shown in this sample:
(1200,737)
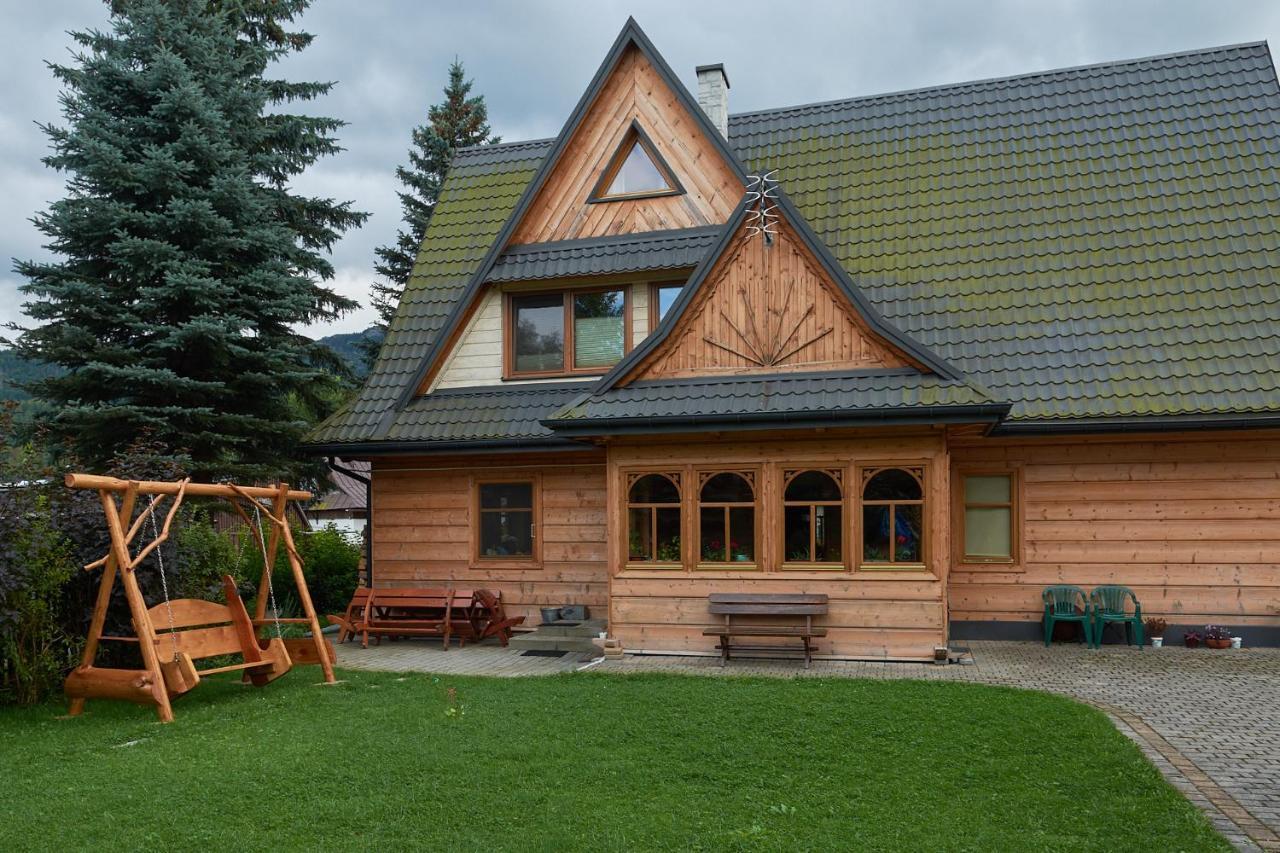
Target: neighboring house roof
(611,255)
(1093,244)
(793,399)
(347,493)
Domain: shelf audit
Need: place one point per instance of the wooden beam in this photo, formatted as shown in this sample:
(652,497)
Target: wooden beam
(152,487)
(137,605)
(100,605)
(304,596)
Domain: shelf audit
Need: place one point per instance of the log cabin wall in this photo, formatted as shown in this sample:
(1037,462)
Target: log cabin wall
(422,521)
(1190,522)
(873,613)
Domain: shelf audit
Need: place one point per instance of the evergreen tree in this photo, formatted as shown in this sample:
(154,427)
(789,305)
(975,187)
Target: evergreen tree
(456,122)
(184,258)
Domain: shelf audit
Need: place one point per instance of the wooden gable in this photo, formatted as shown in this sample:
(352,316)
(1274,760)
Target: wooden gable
(768,308)
(634,98)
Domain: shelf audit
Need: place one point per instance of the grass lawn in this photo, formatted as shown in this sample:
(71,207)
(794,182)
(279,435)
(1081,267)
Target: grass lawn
(588,762)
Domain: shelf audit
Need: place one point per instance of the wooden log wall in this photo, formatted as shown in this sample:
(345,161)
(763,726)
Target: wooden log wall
(635,91)
(1190,522)
(873,613)
(422,528)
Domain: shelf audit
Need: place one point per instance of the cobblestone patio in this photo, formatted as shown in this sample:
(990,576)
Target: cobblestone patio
(1209,720)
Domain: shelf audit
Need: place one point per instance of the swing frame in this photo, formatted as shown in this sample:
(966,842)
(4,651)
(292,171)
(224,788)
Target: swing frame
(147,686)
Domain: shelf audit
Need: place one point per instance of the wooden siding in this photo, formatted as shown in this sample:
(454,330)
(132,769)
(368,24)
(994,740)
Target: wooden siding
(873,613)
(476,357)
(1190,522)
(422,529)
(765,309)
(636,92)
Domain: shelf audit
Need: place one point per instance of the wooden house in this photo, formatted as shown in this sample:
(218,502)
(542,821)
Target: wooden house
(982,338)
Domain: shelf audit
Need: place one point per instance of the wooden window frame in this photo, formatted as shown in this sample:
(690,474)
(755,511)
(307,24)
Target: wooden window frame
(481,561)
(654,287)
(567,297)
(786,475)
(701,476)
(1015,562)
(634,135)
(630,478)
(919,470)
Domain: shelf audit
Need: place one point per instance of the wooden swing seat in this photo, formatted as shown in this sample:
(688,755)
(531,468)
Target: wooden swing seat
(191,629)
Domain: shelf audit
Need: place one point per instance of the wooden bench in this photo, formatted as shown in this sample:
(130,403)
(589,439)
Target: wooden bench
(353,616)
(731,605)
(490,617)
(406,613)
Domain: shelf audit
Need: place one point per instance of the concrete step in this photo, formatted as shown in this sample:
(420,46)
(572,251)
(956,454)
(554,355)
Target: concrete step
(532,641)
(588,628)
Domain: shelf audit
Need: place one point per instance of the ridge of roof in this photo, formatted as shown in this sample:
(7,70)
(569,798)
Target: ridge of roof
(630,35)
(980,82)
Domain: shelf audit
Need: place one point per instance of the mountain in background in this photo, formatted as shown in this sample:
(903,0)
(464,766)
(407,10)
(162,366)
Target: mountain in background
(16,371)
(348,346)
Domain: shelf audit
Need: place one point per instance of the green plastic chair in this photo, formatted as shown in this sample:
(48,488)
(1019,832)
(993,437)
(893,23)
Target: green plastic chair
(1066,603)
(1109,605)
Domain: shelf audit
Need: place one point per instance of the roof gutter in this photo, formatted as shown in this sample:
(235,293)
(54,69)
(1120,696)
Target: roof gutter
(1138,423)
(985,413)
(399,448)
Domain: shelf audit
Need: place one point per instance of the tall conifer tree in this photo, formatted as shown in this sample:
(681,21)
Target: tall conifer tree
(456,122)
(184,259)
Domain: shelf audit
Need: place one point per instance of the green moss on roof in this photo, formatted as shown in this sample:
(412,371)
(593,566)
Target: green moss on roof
(1089,243)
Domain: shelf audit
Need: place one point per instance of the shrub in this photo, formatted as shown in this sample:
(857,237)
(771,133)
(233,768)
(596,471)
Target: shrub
(36,651)
(329,561)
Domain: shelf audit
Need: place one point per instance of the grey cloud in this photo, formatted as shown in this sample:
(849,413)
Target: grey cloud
(532,61)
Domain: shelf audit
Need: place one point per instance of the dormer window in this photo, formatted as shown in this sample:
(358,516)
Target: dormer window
(565,332)
(636,170)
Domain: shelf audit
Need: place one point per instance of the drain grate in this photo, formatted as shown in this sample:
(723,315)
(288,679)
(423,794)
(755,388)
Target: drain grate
(542,653)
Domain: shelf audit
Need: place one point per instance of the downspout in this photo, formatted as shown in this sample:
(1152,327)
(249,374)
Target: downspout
(368,505)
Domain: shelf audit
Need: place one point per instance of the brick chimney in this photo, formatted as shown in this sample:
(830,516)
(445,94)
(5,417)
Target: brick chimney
(713,95)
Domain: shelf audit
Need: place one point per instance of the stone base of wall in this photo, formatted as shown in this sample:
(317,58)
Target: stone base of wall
(1252,635)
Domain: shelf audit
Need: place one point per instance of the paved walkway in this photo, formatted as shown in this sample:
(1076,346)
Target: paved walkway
(1209,720)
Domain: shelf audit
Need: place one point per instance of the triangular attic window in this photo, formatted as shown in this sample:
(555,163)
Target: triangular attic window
(636,170)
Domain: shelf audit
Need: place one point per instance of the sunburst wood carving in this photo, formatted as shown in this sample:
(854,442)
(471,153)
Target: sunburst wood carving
(773,339)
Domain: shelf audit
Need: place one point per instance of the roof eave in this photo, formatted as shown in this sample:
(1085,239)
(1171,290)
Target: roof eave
(582,427)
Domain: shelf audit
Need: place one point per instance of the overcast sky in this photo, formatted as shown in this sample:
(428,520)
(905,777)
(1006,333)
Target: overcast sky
(532,60)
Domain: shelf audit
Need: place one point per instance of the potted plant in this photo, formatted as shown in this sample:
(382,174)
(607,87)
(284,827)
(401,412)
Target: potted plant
(1155,630)
(1217,637)
(1191,638)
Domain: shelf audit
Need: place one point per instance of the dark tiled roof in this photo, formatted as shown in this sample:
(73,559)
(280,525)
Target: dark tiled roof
(1094,243)
(804,398)
(484,414)
(661,250)
(347,493)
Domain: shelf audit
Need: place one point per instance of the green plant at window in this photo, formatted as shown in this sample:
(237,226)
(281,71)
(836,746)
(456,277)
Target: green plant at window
(653,519)
(893,517)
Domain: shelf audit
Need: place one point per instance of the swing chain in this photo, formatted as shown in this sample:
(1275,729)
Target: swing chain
(164,581)
(268,570)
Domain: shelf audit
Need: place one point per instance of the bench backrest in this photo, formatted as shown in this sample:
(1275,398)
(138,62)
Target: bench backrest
(437,599)
(767,604)
(204,629)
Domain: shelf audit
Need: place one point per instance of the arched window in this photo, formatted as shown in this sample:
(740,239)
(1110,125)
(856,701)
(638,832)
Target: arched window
(653,519)
(727,518)
(812,517)
(893,516)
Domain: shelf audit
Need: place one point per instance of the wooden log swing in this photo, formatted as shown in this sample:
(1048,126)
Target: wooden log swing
(174,634)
